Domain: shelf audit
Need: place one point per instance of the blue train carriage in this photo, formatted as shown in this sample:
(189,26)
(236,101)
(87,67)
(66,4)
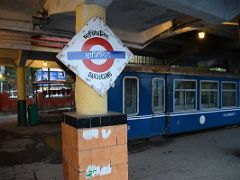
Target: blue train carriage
(163,100)
(141,95)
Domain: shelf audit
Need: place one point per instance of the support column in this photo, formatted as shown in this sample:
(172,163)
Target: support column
(21,95)
(1,87)
(2,69)
(94,141)
(87,100)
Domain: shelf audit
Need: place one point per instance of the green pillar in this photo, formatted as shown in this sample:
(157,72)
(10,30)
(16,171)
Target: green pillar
(21,94)
(22,118)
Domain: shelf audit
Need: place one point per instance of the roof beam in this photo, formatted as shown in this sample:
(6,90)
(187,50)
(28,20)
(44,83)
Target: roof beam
(8,53)
(214,11)
(7,62)
(103,3)
(63,6)
(13,39)
(141,39)
(36,63)
(171,33)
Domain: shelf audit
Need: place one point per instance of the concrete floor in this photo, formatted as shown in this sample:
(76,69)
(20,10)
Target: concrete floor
(209,155)
(34,153)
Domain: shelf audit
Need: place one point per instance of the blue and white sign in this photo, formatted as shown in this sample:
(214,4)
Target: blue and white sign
(96,55)
(55,75)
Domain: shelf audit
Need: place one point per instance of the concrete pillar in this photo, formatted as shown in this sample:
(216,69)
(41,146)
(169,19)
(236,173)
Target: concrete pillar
(87,100)
(21,95)
(2,69)
(94,142)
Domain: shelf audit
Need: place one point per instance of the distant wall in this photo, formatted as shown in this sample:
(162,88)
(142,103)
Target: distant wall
(10,105)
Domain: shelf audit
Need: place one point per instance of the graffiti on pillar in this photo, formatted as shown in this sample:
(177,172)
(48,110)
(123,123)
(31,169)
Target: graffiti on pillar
(96,55)
(106,133)
(90,134)
(94,170)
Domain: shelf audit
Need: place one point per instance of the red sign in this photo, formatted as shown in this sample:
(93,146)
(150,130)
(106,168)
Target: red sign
(88,63)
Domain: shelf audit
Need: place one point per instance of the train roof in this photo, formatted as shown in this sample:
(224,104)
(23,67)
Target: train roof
(177,71)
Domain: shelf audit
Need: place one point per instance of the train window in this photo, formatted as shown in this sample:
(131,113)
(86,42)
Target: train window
(185,95)
(157,95)
(130,95)
(209,94)
(229,94)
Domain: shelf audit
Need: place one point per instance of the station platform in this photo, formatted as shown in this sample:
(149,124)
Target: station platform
(34,153)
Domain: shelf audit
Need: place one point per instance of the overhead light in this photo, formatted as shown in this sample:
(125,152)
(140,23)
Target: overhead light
(45,64)
(230,23)
(201,35)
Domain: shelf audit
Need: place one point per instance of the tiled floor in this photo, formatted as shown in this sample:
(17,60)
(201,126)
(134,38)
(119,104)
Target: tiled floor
(34,153)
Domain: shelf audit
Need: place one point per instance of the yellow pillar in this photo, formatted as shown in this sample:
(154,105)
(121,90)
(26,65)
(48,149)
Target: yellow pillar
(21,90)
(88,102)
(21,94)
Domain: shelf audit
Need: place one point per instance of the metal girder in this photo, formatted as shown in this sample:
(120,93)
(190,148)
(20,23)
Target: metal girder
(214,11)
(10,57)
(21,59)
(35,59)
(47,56)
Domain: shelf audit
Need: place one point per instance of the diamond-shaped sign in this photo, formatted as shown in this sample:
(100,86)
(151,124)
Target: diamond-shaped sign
(96,55)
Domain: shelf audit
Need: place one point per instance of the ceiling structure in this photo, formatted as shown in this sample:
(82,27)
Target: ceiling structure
(166,29)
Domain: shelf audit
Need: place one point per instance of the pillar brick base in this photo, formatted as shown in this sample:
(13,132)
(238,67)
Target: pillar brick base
(95,147)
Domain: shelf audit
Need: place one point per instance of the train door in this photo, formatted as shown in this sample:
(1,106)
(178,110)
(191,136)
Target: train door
(158,106)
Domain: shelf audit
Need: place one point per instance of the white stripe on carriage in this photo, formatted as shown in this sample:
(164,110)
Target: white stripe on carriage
(140,116)
(204,112)
(131,118)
